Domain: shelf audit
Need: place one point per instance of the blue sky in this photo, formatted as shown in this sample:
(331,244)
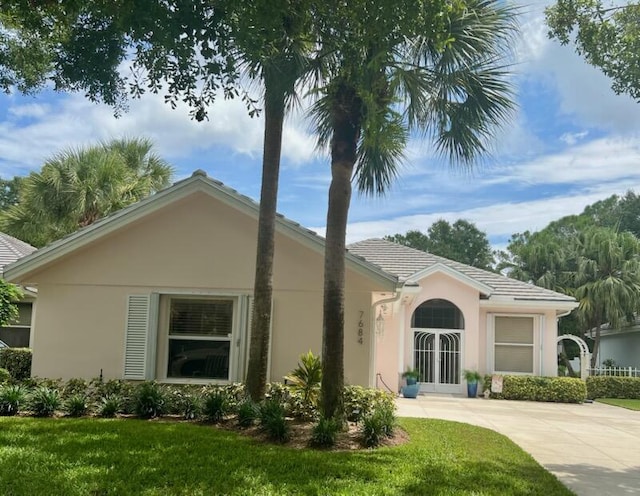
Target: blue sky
(572,142)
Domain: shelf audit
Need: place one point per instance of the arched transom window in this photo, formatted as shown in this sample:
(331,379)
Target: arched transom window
(437,314)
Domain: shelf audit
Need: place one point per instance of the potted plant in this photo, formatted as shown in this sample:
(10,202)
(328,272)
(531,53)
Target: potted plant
(412,388)
(411,376)
(472,377)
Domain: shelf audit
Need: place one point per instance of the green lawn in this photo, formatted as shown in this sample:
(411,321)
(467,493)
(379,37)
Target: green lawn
(101,457)
(629,404)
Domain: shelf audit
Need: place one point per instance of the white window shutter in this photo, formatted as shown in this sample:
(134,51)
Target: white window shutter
(136,337)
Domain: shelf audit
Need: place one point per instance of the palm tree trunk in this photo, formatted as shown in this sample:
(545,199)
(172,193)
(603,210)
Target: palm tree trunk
(263,285)
(346,128)
(596,348)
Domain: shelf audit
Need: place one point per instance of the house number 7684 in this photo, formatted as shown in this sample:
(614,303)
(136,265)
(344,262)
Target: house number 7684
(361,328)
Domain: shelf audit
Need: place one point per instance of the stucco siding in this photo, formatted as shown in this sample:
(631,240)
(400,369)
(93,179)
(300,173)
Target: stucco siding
(195,245)
(623,348)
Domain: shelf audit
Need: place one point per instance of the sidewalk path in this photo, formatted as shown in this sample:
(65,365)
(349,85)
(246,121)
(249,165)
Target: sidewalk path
(594,449)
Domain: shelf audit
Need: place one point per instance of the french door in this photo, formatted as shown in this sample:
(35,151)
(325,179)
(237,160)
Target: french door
(438,358)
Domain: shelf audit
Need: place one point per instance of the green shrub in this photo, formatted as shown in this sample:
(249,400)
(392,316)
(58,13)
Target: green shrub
(324,432)
(124,390)
(5,376)
(535,388)
(36,382)
(273,420)
(11,397)
(76,405)
(149,400)
(190,405)
(613,387)
(306,378)
(109,405)
(215,405)
(247,413)
(377,425)
(44,401)
(360,401)
(17,361)
(74,387)
(292,401)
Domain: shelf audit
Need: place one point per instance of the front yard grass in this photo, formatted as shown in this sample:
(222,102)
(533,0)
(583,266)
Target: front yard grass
(108,457)
(629,404)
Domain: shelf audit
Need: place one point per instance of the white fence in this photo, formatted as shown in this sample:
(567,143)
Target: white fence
(615,371)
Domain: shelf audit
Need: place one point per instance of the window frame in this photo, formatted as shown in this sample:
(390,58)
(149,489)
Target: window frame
(235,338)
(537,323)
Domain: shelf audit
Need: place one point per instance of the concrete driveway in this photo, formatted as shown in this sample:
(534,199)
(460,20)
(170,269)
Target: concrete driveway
(594,449)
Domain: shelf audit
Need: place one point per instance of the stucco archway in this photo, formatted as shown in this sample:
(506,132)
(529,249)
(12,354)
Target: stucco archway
(585,356)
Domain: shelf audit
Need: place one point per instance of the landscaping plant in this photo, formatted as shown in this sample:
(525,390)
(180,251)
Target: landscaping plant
(325,432)
(149,400)
(44,401)
(109,405)
(378,425)
(247,413)
(273,420)
(76,405)
(306,378)
(215,405)
(11,397)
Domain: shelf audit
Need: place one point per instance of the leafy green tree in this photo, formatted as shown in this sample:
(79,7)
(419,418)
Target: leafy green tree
(9,192)
(397,67)
(597,265)
(77,187)
(190,51)
(461,241)
(607,36)
(413,239)
(9,295)
(606,280)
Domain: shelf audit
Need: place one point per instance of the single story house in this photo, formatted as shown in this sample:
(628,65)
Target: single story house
(17,334)
(163,290)
(621,345)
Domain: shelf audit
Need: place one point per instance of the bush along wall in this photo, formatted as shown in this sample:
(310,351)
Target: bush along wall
(17,361)
(613,387)
(534,388)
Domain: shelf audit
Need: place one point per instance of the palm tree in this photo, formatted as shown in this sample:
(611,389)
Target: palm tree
(397,70)
(606,280)
(275,54)
(77,187)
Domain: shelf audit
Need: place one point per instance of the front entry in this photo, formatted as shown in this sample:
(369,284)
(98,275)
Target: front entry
(438,356)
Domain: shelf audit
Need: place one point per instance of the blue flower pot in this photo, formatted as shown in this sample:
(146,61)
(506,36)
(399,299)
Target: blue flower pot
(411,381)
(411,391)
(472,389)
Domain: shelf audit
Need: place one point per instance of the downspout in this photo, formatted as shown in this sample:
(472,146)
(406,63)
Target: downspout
(372,351)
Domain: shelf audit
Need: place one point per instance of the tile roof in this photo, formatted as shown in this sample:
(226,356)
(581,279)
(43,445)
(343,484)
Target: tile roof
(404,262)
(12,249)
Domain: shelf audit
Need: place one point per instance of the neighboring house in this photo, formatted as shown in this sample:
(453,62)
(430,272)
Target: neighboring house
(163,290)
(17,333)
(621,345)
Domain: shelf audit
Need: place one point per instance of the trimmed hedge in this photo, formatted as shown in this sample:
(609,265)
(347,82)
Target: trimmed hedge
(17,361)
(535,388)
(5,376)
(613,387)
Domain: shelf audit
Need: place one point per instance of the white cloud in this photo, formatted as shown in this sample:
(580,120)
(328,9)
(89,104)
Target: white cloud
(585,93)
(605,159)
(73,121)
(499,220)
(573,138)
(35,110)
